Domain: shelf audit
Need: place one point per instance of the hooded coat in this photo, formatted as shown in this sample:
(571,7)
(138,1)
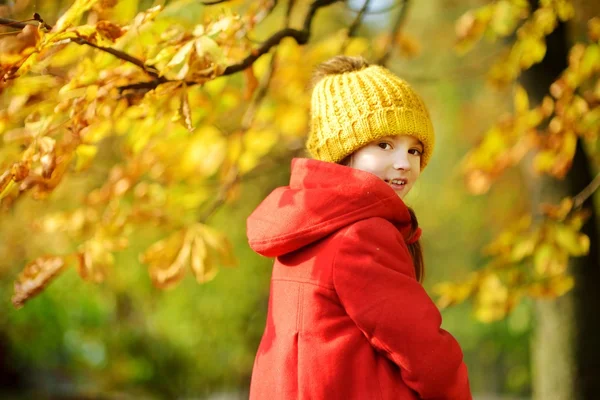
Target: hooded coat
(347,318)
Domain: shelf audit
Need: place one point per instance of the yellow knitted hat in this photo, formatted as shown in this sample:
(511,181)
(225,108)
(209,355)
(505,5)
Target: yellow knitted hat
(351,109)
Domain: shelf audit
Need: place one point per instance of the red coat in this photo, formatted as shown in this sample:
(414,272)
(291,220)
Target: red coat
(347,318)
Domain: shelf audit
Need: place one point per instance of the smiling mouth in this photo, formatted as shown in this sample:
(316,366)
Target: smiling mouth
(396,182)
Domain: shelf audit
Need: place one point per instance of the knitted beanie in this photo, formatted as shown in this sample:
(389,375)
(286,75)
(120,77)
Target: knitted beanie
(356,107)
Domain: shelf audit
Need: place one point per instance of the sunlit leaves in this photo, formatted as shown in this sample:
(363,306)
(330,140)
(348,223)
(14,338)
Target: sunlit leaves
(133,103)
(198,247)
(73,14)
(526,259)
(34,278)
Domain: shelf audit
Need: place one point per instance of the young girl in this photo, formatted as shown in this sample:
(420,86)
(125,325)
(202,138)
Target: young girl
(348,317)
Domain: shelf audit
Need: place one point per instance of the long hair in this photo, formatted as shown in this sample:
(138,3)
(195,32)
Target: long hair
(415,249)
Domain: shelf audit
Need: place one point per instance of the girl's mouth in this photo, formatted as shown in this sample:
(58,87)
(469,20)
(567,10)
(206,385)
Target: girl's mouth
(396,184)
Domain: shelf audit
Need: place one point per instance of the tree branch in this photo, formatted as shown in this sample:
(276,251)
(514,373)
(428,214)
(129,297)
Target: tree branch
(399,23)
(14,23)
(589,190)
(354,26)
(123,56)
(81,41)
(301,37)
(212,3)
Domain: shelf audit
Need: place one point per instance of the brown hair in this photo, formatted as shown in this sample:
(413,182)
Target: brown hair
(415,250)
(337,65)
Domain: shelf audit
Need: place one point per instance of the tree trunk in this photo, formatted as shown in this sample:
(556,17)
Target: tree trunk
(565,346)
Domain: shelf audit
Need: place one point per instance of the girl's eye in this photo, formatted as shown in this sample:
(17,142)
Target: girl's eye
(385,146)
(415,152)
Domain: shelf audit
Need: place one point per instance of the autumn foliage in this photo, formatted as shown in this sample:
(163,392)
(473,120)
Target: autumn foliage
(178,95)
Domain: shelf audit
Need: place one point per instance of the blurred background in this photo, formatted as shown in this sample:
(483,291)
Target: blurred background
(127,334)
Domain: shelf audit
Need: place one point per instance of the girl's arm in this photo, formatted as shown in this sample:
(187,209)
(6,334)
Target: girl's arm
(375,281)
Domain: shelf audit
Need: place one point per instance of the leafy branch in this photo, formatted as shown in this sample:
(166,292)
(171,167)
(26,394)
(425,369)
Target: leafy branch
(301,37)
(81,41)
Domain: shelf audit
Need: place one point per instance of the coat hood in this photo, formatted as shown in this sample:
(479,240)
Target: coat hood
(321,198)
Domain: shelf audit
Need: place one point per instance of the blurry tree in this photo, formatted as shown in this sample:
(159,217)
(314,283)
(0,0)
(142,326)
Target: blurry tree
(553,135)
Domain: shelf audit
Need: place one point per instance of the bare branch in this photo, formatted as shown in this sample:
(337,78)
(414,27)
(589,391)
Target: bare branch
(398,24)
(14,23)
(589,190)
(354,26)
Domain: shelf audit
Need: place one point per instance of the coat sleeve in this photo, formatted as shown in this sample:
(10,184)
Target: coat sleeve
(375,280)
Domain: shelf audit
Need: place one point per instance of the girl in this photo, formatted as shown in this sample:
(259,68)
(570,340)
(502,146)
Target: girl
(348,317)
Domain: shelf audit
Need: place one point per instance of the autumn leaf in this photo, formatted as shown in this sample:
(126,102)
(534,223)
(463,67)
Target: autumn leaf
(521,100)
(251,83)
(73,14)
(167,259)
(35,277)
(109,30)
(184,109)
(203,266)
(94,258)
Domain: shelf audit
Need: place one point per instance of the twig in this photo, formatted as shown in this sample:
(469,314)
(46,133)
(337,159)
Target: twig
(582,196)
(354,26)
(212,3)
(14,23)
(301,37)
(395,30)
(123,56)
(383,10)
(39,19)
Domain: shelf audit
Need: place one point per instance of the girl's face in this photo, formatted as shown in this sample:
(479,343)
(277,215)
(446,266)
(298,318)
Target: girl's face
(395,159)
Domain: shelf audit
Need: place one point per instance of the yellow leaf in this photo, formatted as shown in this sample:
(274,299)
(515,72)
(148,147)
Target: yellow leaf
(521,100)
(7,183)
(542,259)
(94,260)
(219,243)
(575,243)
(167,259)
(85,155)
(185,110)
(522,248)
(492,302)
(590,61)
(35,277)
(72,15)
(544,161)
(203,266)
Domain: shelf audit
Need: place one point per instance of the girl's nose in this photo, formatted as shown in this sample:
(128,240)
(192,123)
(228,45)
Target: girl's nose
(402,162)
